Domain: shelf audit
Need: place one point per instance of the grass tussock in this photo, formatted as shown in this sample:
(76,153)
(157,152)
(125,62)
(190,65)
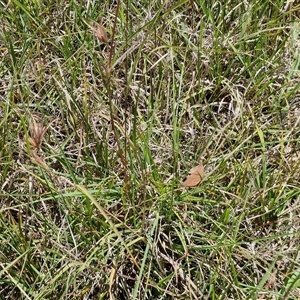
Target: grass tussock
(105,107)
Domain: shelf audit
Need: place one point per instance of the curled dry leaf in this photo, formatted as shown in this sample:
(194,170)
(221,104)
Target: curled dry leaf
(195,176)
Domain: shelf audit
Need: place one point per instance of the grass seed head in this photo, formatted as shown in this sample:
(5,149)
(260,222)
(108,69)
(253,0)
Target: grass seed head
(37,132)
(99,31)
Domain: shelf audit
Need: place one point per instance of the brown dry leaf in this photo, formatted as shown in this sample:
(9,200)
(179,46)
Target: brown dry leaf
(195,176)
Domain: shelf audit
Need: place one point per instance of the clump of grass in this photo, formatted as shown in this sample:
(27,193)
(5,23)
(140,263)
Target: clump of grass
(92,207)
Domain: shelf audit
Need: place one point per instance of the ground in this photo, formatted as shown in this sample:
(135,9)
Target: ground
(105,109)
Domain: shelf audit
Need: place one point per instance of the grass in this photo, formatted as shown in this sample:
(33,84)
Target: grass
(96,138)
